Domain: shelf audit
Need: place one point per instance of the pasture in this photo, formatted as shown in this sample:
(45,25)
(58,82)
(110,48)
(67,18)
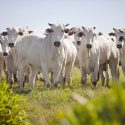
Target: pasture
(44,104)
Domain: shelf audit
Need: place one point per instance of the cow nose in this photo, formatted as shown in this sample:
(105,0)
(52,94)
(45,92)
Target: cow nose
(11,45)
(5,53)
(78,42)
(89,46)
(57,43)
(119,46)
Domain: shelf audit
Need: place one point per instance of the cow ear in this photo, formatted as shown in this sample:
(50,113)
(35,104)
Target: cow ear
(66,25)
(111,34)
(50,24)
(114,29)
(8,28)
(20,33)
(30,31)
(83,27)
(49,30)
(4,33)
(100,33)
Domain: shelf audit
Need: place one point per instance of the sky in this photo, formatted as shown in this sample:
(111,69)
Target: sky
(103,14)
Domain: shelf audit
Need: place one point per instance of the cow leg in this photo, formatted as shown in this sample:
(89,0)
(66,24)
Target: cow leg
(15,77)
(123,69)
(95,74)
(102,75)
(107,75)
(62,78)
(57,73)
(10,80)
(123,65)
(32,77)
(83,75)
(114,70)
(46,76)
(9,72)
(21,70)
(68,69)
(1,69)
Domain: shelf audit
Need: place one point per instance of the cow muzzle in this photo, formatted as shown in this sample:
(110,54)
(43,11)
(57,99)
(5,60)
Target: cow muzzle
(119,46)
(78,42)
(11,45)
(5,54)
(57,43)
(89,46)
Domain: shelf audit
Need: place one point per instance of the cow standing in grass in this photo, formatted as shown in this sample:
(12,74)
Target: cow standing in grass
(43,54)
(101,50)
(11,36)
(2,53)
(120,41)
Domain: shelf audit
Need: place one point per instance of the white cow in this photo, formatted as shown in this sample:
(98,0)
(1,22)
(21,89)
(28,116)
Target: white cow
(42,54)
(2,54)
(13,34)
(70,57)
(120,40)
(8,58)
(101,50)
(82,55)
(81,50)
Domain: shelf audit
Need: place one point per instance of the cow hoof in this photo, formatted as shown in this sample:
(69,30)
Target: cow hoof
(47,85)
(15,78)
(94,83)
(55,85)
(108,86)
(64,79)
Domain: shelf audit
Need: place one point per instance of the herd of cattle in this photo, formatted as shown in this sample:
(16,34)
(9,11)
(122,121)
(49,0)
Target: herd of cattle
(95,54)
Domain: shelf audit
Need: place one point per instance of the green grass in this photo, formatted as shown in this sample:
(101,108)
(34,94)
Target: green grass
(45,103)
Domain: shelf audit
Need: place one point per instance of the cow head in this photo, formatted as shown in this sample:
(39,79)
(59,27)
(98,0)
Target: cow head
(120,37)
(78,35)
(12,36)
(13,33)
(57,33)
(4,45)
(89,34)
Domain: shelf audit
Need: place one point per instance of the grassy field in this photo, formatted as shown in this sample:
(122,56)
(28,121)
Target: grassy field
(43,103)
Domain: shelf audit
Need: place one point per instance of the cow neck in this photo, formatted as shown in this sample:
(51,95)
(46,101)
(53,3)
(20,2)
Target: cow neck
(122,51)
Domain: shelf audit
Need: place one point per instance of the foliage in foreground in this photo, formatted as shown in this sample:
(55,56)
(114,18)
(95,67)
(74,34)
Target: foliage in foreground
(109,109)
(11,107)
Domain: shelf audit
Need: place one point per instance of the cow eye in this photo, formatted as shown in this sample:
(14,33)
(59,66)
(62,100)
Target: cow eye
(49,30)
(121,38)
(71,33)
(66,30)
(20,33)
(80,34)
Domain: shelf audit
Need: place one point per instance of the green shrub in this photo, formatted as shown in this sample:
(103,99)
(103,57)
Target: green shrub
(108,109)
(11,106)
